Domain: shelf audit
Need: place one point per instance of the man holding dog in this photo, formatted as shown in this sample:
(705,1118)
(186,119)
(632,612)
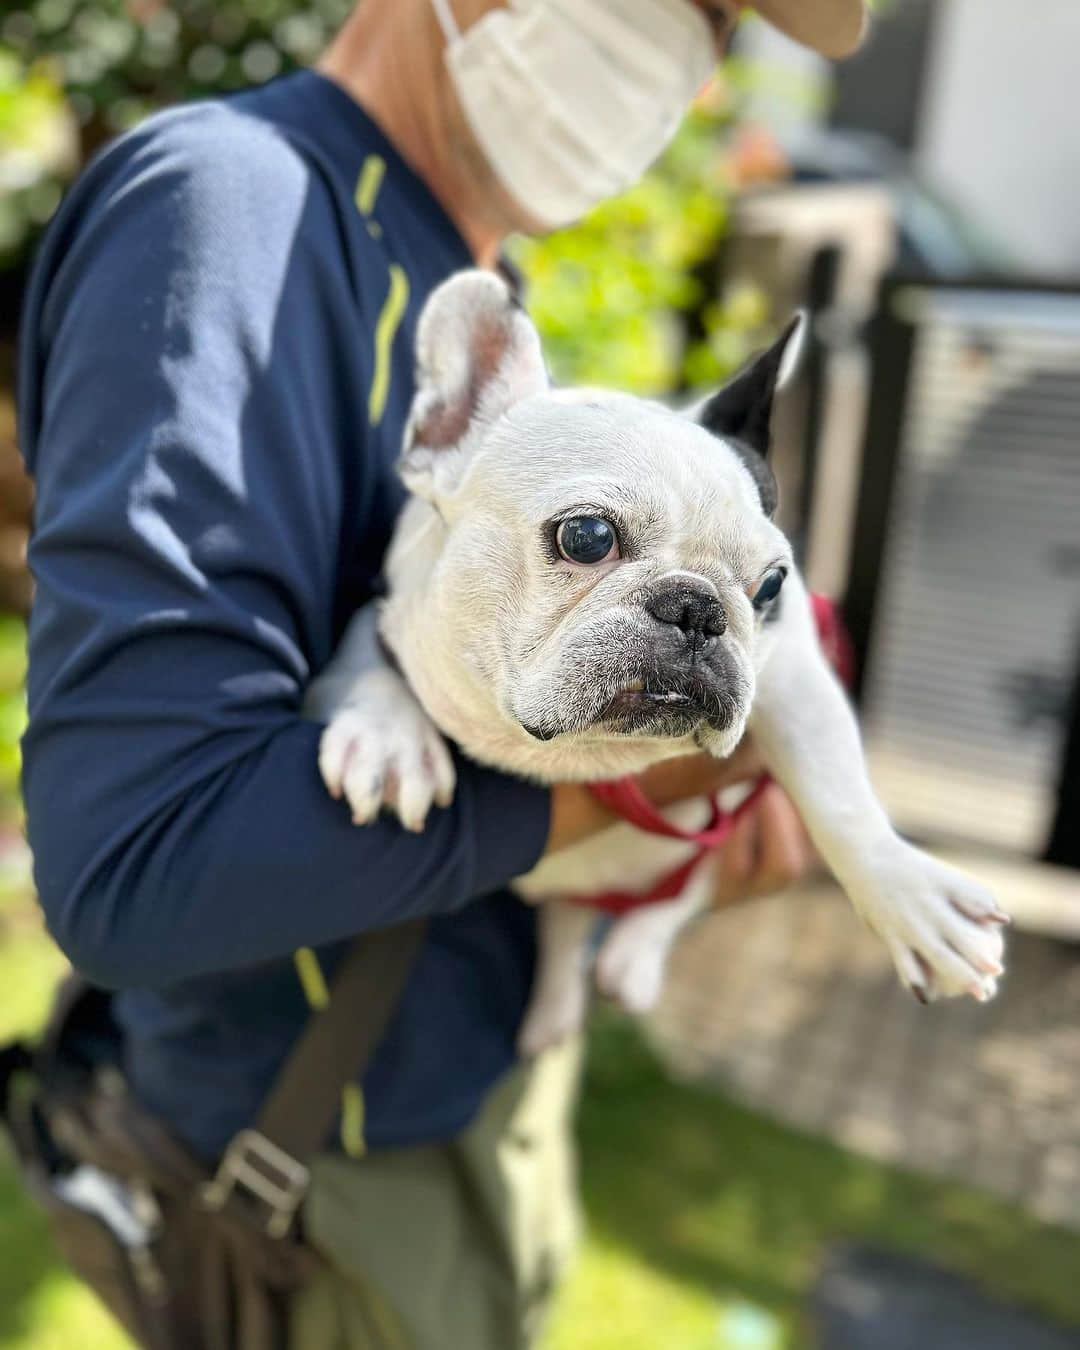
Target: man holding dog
(216,371)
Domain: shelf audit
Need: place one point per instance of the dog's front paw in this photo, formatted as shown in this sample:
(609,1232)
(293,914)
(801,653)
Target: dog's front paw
(382,751)
(942,929)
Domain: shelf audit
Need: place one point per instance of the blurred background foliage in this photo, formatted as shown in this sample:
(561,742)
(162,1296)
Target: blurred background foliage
(108,63)
(37,149)
(626,298)
(117,60)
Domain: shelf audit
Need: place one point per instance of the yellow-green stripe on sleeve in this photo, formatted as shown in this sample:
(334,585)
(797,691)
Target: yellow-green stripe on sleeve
(385,331)
(369,183)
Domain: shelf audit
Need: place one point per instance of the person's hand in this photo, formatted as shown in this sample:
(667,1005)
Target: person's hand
(576,814)
(673,780)
(768,850)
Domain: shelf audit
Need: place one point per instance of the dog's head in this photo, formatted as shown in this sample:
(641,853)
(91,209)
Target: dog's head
(577,588)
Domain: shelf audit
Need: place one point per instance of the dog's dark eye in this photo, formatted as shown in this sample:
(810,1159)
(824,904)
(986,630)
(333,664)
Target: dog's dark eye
(769,588)
(587,539)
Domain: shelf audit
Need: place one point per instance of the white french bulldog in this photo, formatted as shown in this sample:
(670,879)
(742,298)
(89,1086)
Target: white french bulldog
(581,584)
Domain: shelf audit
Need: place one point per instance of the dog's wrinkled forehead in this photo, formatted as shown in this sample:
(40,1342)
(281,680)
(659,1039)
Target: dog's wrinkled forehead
(564,448)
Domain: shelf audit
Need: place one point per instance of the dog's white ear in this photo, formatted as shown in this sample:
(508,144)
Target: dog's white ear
(742,409)
(477,355)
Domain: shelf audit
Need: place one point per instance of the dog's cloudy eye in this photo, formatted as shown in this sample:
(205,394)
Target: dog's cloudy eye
(770,587)
(587,539)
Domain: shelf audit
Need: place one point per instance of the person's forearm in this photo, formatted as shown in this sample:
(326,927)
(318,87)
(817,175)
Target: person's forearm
(254,861)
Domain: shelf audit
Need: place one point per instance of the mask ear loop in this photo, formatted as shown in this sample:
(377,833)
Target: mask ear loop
(447,22)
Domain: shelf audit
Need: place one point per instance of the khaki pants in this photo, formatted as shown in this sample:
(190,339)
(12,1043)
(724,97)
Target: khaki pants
(452,1246)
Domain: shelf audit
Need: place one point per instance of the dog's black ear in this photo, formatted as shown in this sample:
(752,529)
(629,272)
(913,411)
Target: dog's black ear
(742,409)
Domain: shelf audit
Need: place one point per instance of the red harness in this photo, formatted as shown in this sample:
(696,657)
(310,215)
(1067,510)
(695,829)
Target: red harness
(625,798)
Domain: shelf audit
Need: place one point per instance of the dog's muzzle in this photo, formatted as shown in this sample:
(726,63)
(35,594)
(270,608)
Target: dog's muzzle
(672,697)
(669,675)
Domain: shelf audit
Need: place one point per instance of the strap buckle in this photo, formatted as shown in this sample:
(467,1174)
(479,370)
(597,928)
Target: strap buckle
(262,1172)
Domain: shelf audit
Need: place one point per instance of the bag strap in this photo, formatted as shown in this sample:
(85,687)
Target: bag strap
(338,1042)
(269,1162)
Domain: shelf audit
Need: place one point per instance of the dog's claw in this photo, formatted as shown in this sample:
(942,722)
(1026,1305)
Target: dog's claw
(938,925)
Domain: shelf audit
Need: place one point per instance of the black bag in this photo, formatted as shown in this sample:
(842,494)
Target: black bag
(186,1258)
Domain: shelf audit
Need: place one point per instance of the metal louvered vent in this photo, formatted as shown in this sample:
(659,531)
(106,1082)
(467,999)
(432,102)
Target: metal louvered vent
(976,633)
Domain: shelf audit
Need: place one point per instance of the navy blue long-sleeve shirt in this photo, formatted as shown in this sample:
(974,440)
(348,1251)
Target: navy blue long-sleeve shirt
(215,369)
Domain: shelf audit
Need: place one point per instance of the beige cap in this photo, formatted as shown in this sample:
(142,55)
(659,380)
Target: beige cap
(832,27)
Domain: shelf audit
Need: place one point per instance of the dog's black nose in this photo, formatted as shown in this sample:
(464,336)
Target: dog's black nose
(688,606)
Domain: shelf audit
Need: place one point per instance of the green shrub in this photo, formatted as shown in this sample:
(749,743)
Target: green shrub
(628,298)
(118,59)
(37,148)
(113,61)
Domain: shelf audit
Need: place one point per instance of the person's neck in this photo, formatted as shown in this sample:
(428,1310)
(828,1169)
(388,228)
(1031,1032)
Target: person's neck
(401,83)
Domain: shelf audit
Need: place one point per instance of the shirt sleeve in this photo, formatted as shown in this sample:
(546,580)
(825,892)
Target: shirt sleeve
(191,478)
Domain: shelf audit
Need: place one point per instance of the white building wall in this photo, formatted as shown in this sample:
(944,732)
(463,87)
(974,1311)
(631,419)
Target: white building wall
(1001,125)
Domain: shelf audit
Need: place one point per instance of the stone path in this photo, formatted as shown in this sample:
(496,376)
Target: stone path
(792,1007)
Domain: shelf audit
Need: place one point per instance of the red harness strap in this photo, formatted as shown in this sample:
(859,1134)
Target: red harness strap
(625,798)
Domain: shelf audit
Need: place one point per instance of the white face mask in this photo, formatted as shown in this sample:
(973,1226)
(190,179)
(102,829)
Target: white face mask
(572,100)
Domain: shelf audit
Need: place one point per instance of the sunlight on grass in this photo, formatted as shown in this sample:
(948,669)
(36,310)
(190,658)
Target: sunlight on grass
(616,1301)
(61,1315)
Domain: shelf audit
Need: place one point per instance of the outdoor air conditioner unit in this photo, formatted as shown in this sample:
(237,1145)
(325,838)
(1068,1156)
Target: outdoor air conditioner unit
(963,594)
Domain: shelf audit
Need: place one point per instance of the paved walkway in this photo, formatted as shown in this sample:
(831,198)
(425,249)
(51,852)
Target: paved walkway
(792,1006)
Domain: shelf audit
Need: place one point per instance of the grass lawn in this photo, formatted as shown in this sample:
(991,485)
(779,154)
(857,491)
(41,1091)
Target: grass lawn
(706,1223)
(703,1216)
